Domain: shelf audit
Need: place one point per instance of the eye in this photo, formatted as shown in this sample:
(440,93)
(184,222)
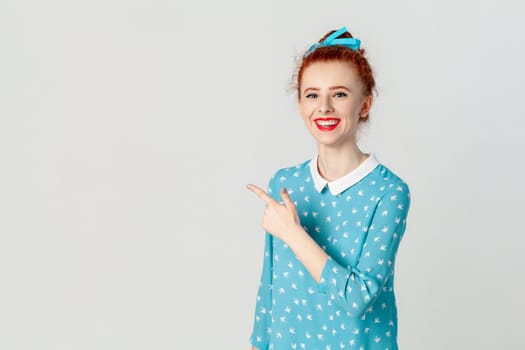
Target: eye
(311,95)
(340,94)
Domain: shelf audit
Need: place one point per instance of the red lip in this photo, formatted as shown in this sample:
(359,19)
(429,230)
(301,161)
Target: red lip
(333,123)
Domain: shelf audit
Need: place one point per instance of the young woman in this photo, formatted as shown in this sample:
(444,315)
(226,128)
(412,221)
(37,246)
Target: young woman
(333,223)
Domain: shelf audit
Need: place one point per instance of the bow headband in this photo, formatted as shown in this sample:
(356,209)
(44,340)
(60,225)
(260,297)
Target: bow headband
(332,40)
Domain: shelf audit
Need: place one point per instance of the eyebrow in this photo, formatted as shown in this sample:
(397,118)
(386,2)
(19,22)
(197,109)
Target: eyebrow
(330,88)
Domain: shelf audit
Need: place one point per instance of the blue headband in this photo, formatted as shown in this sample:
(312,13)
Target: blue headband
(332,40)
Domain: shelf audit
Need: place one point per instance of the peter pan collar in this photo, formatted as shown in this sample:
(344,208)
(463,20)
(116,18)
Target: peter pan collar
(343,183)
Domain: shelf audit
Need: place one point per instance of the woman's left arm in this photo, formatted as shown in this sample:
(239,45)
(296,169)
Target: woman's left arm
(357,287)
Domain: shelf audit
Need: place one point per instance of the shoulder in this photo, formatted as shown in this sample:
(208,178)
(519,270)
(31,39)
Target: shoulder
(392,185)
(295,170)
(390,179)
(291,175)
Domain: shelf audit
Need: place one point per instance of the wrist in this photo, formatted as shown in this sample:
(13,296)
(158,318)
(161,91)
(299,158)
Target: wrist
(295,231)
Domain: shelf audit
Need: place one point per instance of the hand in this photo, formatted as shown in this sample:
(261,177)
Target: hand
(279,219)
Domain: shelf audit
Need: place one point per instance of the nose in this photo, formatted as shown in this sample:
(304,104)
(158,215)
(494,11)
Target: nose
(325,105)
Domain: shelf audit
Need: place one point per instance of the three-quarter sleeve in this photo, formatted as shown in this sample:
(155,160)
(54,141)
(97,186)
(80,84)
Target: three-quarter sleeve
(263,307)
(355,289)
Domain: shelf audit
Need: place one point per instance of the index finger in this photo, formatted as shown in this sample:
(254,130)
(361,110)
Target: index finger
(261,193)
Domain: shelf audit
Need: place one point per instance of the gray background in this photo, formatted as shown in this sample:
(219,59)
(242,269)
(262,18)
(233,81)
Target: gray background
(128,130)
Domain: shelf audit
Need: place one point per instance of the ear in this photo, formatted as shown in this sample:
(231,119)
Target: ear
(367,105)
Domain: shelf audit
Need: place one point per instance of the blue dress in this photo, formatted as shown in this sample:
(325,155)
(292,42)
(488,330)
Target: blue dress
(359,221)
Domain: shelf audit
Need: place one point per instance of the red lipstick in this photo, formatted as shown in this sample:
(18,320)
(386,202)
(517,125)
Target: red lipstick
(326,124)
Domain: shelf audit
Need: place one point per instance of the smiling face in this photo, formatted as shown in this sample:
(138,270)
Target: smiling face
(331,102)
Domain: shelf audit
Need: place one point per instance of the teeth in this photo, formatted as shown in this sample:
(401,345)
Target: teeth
(327,122)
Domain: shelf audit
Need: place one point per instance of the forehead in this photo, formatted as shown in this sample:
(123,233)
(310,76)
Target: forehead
(332,73)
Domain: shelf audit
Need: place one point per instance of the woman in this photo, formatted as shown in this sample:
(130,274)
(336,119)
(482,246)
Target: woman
(333,223)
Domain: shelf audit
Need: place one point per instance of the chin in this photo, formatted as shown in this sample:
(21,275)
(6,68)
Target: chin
(327,141)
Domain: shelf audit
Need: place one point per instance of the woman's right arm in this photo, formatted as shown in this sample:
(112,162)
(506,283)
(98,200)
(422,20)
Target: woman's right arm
(262,321)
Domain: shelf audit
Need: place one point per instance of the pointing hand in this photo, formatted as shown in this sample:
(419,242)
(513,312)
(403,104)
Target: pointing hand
(279,219)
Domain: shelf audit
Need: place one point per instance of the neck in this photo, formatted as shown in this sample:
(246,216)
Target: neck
(335,162)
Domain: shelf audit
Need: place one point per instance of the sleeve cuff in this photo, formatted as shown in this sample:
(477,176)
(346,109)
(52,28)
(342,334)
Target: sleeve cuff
(327,275)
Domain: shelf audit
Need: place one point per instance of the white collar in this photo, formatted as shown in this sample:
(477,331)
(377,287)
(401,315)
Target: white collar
(344,182)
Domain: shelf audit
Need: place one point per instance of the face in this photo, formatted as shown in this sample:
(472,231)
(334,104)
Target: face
(331,102)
